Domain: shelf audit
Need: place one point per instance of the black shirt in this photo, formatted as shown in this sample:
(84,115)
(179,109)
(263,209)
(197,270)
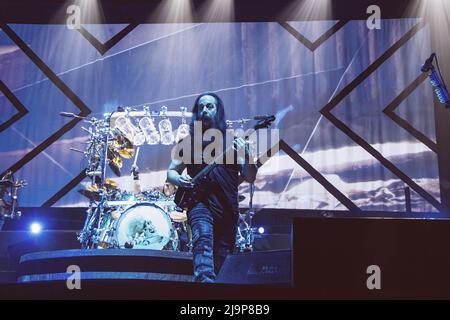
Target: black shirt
(221,195)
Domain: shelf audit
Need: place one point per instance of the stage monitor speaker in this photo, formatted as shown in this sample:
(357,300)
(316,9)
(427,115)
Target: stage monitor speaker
(371,258)
(265,267)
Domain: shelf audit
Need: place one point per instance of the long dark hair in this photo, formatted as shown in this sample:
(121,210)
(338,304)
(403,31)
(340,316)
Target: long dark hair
(219,119)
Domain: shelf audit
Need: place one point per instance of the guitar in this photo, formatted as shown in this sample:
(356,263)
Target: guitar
(186,198)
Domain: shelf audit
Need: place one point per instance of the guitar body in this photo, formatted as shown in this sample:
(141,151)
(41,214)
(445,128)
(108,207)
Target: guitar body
(186,199)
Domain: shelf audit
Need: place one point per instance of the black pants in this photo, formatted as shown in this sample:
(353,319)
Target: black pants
(213,238)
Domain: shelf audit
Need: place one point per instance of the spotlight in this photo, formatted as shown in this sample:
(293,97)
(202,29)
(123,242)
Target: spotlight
(35,228)
(261,230)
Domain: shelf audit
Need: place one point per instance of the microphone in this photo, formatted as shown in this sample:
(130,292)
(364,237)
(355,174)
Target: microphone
(68,114)
(76,150)
(440,89)
(428,63)
(72,115)
(259,117)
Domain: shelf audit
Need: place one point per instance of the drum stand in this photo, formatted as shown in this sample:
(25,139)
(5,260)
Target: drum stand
(91,234)
(246,237)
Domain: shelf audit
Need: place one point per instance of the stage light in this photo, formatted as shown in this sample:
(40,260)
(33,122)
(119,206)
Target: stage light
(91,10)
(435,12)
(139,139)
(131,132)
(307,10)
(173,11)
(165,129)
(182,132)
(148,128)
(183,129)
(35,228)
(125,126)
(261,230)
(217,11)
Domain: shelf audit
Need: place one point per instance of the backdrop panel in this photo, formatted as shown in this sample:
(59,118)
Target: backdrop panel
(337,88)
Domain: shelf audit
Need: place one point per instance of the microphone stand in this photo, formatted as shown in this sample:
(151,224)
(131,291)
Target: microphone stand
(135,173)
(103,199)
(250,236)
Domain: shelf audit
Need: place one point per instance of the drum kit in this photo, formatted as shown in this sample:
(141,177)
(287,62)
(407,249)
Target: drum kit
(146,219)
(122,219)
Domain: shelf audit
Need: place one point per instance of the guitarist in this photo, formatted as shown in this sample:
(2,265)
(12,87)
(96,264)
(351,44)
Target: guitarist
(213,219)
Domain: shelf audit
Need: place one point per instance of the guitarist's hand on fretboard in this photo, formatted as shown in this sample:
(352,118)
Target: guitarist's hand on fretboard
(243,151)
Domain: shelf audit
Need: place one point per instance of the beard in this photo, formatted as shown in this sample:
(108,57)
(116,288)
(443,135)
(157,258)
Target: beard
(207,123)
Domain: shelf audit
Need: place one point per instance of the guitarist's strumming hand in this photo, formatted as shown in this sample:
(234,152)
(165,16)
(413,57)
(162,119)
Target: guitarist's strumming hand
(185,181)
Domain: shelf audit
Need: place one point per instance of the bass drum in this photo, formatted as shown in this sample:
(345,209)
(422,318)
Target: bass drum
(146,226)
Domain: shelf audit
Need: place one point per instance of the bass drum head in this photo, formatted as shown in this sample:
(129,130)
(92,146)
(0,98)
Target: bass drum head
(146,226)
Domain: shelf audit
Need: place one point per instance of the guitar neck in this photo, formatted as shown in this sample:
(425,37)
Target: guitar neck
(206,170)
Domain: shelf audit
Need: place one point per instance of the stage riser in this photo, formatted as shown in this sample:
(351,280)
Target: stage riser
(111,276)
(116,263)
(109,264)
(152,265)
(14,244)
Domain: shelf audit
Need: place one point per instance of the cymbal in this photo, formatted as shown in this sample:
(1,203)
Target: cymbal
(95,189)
(111,184)
(123,146)
(108,186)
(6,183)
(126,153)
(92,188)
(120,141)
(115,162)
(91,195)
(115,169)
(108,182)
